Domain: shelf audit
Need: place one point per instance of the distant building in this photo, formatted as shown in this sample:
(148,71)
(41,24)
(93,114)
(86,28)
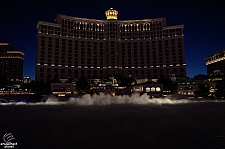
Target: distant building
(11,62)
(63,88)
(216,62)
(149,88)
(72,47)
(26,79)
(188,87)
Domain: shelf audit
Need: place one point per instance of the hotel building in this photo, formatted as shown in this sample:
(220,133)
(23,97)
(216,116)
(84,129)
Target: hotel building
(216,62)
(71,47)
(11,62)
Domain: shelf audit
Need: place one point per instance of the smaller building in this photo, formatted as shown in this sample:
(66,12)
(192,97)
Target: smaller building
(216,62)
(153,89)
(189,87)
(63,89)
(107,86)
(26,79)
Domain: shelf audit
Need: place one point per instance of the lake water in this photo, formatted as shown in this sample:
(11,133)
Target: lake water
(116,122)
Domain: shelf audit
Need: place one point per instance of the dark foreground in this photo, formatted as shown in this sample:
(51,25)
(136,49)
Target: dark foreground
(189,126)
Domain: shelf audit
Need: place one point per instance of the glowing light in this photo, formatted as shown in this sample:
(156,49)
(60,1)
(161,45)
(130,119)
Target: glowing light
(111,14)
(158,89)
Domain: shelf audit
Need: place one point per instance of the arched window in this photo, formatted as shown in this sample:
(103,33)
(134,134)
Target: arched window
(158,89)
(147,89)
(152,89)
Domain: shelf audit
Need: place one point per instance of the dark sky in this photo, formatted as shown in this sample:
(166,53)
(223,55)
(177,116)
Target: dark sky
(204,29)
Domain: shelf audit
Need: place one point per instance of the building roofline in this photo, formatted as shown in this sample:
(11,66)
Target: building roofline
(15,51)
(77,18)
(5,43)
(144,20)
(220,51)
(48,23)
(215,53)
(173,26)
(131,21)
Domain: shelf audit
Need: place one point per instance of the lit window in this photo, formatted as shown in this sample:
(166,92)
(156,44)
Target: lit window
(152,89)
(158,89)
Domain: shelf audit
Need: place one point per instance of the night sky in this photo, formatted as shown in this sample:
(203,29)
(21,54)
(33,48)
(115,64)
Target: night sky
(204,29)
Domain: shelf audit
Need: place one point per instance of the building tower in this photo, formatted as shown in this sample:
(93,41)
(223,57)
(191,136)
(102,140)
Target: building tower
(11,62)
(71,47)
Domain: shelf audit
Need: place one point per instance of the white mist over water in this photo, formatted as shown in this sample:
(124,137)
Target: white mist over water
(106,99)
(102,99)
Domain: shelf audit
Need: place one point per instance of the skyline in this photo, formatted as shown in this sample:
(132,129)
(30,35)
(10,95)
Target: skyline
(203,29)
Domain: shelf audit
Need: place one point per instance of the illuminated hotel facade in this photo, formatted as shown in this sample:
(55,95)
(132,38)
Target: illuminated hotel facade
(71,47)
(216,62)
(11,62)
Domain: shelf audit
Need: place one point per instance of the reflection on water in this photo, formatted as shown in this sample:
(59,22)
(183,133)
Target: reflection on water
(219,139)
(103,121)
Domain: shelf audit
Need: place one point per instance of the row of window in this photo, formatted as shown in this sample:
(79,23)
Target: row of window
(70,42)
(96,32)
(100,26)
(55,74)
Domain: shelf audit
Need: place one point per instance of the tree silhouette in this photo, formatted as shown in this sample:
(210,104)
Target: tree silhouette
(3,81)
(168,84)
(82,83)
(220,89)
(201,77)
